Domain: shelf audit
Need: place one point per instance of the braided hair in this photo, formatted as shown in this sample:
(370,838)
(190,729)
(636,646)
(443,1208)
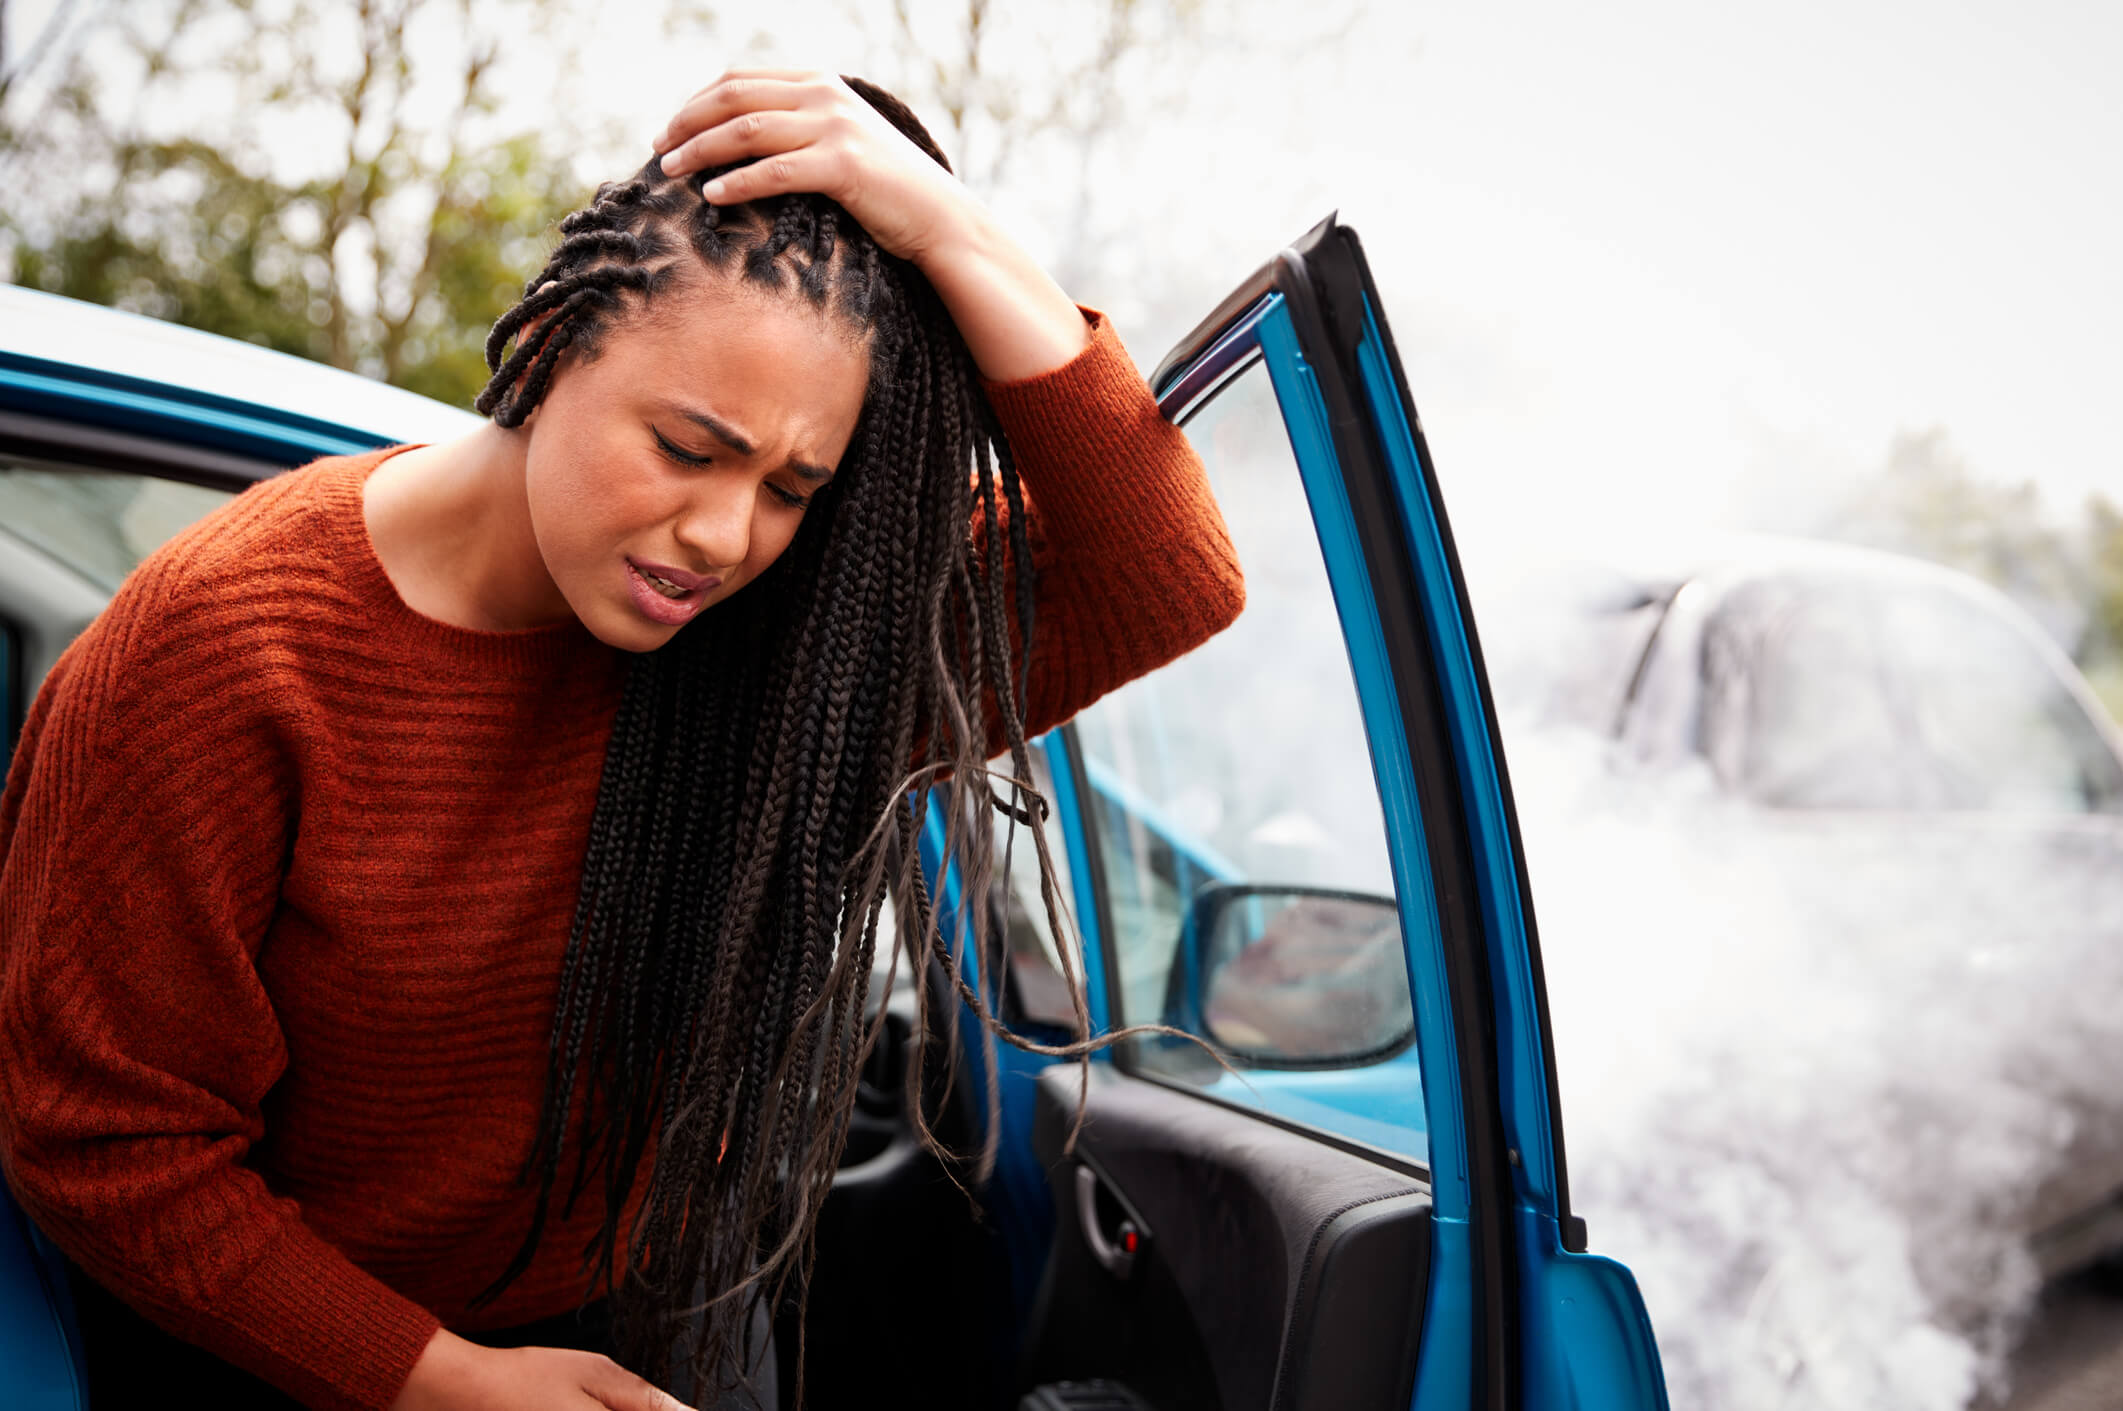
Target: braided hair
(767,775)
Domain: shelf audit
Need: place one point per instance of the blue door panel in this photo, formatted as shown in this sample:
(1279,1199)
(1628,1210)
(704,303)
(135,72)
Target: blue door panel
(1585,1337)
(1568,1329)
(40,1352)
(1445,1371)
(1305,415)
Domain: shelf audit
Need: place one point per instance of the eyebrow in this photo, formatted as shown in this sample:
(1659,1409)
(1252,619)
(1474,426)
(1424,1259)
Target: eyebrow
(729,436)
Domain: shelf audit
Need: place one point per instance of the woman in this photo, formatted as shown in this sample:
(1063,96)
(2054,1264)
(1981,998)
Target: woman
(624,690)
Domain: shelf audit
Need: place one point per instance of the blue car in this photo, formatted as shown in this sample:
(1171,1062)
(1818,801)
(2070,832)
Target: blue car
(1342,1183)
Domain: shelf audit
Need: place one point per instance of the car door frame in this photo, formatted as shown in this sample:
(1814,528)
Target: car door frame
(1518,1313)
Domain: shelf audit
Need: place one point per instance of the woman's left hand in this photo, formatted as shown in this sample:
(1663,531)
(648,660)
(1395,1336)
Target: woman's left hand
(811,132)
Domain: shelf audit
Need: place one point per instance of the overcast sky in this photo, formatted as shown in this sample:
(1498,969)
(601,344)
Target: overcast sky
(1668,263)
(1662,261)
(1710,256)
(1700,263)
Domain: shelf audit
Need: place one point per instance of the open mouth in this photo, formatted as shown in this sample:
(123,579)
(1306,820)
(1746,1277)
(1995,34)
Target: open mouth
(668,600)
(662,585)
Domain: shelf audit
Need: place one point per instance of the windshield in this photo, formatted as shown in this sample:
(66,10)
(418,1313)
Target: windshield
(1884,695)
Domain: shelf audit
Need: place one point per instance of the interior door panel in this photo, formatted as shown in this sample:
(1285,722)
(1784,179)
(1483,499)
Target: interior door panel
(1275,1273)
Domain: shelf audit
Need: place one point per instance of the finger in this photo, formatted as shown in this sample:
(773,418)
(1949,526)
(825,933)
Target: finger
(753,134)
(621,1390)
(805,169)
(792,74)
(726,98)
(787,75)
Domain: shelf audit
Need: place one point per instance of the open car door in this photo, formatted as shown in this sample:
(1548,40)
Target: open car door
(1338,1181)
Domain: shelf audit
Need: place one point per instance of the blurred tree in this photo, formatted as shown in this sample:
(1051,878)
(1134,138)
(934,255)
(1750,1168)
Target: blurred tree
(1072,110)
(325,179)
(1927,501)
(344,179)
(2103,657)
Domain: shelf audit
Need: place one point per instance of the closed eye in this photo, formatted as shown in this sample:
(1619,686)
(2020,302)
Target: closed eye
(691,458)
(677,452)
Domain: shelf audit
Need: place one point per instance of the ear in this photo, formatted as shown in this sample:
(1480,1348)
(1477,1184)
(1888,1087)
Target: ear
(529,332)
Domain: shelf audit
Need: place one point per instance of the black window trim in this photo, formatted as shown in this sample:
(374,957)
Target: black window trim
(80,446)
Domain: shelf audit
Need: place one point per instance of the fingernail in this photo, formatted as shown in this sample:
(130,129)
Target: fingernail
(714,189)
(665,164)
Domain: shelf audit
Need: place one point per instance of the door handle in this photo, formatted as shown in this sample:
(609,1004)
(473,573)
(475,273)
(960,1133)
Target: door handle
(1119,1252)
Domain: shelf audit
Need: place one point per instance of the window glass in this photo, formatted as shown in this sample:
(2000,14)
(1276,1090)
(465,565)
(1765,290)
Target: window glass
(1238,829)
(11,708)
(1895,696)
(1036,990)
(98,523)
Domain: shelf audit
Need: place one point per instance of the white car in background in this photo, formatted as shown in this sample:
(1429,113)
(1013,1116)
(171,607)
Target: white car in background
(1828,678)
(1881,777)
(1828,847)
(1909,737)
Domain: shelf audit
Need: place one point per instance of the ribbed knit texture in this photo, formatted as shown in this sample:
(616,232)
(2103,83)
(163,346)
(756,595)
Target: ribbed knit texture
(287,871)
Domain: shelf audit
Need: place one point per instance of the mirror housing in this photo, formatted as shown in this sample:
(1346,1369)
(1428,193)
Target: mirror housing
(1294,977)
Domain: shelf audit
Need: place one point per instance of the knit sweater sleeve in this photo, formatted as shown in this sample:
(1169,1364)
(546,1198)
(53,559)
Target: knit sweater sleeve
(148,814)
(1132,561)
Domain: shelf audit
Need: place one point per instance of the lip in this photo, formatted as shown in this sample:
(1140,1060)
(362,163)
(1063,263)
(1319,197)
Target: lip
(670,612)
(685,580)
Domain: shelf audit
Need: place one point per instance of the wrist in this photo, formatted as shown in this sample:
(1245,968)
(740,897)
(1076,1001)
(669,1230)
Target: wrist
(440,1372)
(1017,322)
(969,232)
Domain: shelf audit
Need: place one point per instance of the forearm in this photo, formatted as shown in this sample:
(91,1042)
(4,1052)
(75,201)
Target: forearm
(1134,565)
(1015,319)
(222,1264)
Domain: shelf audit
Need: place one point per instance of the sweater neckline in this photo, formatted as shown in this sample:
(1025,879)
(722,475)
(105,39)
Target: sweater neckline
(500,650)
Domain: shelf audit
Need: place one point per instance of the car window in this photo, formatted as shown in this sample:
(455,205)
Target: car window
(1036,989)
(11,703)
(1894,696)
(1237,825)
(99,523)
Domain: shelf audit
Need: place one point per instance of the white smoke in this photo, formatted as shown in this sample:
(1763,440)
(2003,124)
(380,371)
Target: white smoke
(1821,1074)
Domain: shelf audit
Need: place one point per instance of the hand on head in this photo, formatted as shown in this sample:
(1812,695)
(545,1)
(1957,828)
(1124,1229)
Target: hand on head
(806,131)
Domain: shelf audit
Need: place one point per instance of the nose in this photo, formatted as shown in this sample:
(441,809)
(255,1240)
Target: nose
(716,525)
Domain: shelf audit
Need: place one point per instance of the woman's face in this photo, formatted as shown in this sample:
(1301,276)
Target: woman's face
(671,469)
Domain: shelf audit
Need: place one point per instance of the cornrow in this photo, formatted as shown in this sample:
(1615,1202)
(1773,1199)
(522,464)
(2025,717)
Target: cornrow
(765,782)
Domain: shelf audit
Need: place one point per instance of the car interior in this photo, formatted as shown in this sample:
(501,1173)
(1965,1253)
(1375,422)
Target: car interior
(1200,1256)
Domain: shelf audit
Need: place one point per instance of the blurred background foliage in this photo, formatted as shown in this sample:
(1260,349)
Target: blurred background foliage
(384,239)
(2067,571)
(345,180)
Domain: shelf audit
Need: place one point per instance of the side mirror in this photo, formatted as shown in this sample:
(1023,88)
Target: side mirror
(1296,977)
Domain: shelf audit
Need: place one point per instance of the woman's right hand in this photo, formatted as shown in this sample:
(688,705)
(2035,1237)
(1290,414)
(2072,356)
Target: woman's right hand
(454,1374)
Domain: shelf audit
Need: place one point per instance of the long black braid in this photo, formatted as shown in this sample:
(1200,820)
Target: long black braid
(766,779)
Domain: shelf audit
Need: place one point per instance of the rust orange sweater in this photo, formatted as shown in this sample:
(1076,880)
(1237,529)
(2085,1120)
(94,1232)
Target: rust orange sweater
(286,872)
